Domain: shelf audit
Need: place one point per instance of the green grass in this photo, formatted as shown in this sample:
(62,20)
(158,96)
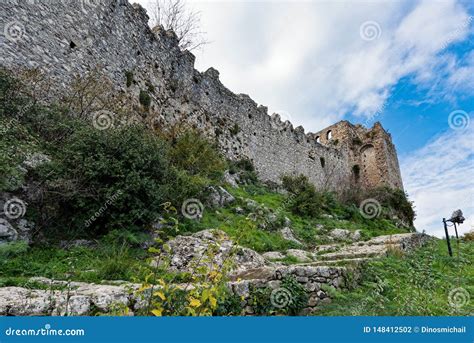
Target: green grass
(240,229)
(247,233)
(417,284)
(106,262)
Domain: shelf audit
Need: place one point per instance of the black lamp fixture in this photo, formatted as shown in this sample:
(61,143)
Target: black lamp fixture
(456,218)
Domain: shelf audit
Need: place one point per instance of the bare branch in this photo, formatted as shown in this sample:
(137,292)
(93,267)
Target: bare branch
(174,15)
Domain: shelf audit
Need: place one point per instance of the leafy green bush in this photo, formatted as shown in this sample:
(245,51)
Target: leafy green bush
(393,201)
(195,155)
(304,200)
(98,180)
(101,180)
(299,297)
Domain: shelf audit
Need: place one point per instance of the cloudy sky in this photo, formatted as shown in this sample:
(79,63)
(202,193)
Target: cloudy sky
(408,64)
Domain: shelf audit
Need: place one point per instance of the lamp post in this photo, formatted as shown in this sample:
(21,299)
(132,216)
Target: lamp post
(456,218)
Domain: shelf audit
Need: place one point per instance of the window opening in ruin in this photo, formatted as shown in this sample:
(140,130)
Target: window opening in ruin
(323,161)
(329,135)
(318,139)
(72,45)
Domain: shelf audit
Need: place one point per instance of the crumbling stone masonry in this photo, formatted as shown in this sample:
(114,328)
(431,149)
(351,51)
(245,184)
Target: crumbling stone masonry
(68,38)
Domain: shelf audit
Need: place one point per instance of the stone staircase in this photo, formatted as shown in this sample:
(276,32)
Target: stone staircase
(334,266)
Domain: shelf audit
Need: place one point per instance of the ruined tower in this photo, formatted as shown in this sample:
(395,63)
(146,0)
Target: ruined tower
(371,155)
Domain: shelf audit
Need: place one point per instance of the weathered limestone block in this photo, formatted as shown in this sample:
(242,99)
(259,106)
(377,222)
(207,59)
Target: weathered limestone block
(187,252)
(288,234)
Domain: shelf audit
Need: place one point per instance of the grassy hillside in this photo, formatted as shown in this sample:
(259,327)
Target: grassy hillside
(427,282)
(144,174)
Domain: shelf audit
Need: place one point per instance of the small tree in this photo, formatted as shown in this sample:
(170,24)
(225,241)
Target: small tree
(186,23)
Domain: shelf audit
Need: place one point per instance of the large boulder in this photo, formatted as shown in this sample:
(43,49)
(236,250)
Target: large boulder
(211,248)
(231,179)
(219,197)
(287,234)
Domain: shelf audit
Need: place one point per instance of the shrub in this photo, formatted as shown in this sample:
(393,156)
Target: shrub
(12,249)
(101,180)
(196,156)
(469,236)
(246,170)
(304,200)
(293,298)
(145,99)
(97,180)
(393,201)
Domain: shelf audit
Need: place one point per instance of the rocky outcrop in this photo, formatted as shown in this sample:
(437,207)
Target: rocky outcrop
(59,298)
(345,235)
(211,248)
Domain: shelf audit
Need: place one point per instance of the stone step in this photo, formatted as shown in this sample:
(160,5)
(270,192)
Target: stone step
(376,247)
(351,252)
(343,261)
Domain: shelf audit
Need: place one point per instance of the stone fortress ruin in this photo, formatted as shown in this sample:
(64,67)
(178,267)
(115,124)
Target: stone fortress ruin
(70,39)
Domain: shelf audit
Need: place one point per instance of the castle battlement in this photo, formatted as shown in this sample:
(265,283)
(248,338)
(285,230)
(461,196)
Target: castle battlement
(68,39)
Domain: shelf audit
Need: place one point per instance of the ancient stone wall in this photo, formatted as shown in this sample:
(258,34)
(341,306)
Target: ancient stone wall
(68,38)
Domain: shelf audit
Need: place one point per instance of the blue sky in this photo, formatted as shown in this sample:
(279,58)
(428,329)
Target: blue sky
(408,64)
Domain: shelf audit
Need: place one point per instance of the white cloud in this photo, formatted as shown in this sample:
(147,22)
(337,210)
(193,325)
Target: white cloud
(440,179)
(309,59)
